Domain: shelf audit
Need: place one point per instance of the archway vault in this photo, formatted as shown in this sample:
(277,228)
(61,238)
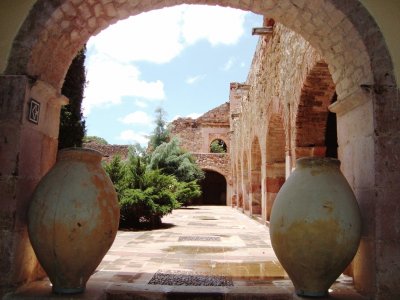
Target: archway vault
(342,31)
(54,32)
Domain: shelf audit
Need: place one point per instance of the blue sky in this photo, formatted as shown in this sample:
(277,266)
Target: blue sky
(181,58)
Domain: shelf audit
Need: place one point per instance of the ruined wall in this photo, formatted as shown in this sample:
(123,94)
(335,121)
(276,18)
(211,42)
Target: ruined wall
(196,135)
(109,151)
(264,124)
(218,162)
(188,132)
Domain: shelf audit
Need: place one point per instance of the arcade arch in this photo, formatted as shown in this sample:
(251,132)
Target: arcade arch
(275,158)
(255,190)
(214,189)
(345,34)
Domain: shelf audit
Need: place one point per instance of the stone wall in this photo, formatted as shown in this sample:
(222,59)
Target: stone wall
(218,162)
(109,151)
(196,135)
(281,116)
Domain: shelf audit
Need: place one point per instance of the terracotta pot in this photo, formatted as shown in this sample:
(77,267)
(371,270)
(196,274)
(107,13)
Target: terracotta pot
(315,225)
(73,219)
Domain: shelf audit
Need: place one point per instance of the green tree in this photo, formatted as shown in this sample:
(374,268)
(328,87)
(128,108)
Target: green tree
(160,134)
(144,195)
(72,123)
(115,169)
(187,191)
(171,159)
(218,146)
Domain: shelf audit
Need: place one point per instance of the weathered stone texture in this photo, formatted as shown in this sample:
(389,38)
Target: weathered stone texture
(218,162)
(286,88)
(109,151)
(197,135)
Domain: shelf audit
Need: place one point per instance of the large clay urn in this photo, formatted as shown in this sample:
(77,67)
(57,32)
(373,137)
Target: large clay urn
(315,225)
(73,219)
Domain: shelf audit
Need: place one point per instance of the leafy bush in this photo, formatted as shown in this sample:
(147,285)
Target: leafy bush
(151,185)
(187,191)
(144,195)
(218,146)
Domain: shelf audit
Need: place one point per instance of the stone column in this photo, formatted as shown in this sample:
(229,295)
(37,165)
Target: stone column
(255,192)
(356,153)
(274,180)
(29,124)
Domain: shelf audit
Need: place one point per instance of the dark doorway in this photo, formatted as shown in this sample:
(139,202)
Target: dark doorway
(213,188)
(331,133)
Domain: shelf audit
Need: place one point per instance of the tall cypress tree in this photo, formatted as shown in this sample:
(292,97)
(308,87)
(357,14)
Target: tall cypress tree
(72,123)
(161,133)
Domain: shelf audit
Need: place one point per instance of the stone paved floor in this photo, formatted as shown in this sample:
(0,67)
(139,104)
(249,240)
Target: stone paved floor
(214,251)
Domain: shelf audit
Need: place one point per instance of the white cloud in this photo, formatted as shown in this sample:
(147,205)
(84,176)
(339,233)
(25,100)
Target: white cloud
(194,79)
(152,36)
(109,81)
(159,36)
(137,117)
(216,24)
(228,65)
(192,115)
(176,117)
(141,104)
(132,137)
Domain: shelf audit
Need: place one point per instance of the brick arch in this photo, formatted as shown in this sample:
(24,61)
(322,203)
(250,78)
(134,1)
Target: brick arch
(255,177)
(214,189)
(245,182)
(275,158)
(239,182)
(312,112)
(234,197)
(217,170)
(344,33)
(276,140)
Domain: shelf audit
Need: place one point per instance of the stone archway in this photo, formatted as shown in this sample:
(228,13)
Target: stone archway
(255,188)
(246,184)
(214,189)
(239,185)
(276,145)
(344,33)
(312,112)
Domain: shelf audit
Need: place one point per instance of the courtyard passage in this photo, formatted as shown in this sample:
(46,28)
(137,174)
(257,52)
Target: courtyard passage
(212,251)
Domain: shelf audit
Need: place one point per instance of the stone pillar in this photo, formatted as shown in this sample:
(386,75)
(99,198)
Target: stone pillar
(387,191)
(255,192)
(274,180)
(29,124)
(356,153)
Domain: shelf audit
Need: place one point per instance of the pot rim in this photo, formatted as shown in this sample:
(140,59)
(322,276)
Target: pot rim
(79,154)
(314,161)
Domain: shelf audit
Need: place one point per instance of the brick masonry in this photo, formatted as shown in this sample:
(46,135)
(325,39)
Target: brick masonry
(266,111)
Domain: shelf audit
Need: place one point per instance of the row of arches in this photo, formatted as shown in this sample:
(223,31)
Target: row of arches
(259,170)
(48,34)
